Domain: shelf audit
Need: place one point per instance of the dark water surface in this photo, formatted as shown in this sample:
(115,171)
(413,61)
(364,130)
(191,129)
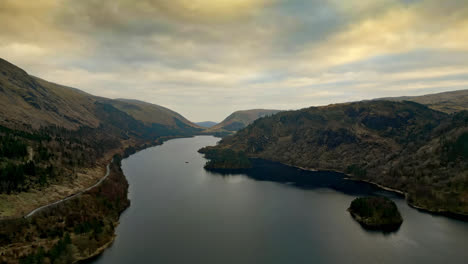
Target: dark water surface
(181,213)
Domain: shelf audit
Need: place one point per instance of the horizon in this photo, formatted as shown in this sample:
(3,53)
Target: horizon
(206,60)
(241,110)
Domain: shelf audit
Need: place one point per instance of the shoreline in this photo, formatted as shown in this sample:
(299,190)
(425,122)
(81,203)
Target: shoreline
(351,178)
(127,149)
(125,155)
(389,189)
(436,212)
(98,251)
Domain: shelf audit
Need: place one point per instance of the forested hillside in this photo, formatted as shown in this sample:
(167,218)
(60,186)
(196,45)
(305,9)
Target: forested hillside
(402,145)
(55,142)
(48,131)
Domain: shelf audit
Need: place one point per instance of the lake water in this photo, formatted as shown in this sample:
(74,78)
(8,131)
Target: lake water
(181,213)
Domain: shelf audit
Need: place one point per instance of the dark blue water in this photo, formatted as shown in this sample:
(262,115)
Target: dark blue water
(181,213)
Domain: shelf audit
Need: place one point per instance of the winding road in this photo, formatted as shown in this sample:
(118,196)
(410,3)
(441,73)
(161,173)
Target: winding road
(33,212)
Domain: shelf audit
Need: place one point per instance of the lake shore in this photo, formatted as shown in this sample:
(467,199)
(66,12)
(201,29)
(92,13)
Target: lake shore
(113,182)
(165,225)
(439,212)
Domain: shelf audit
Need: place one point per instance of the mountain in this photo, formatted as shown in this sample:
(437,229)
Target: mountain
(25,99)
(58,130)
(57,142)
(28,100)
(151,113)
(206,124)
(241,119)
(448,102)
(401,145)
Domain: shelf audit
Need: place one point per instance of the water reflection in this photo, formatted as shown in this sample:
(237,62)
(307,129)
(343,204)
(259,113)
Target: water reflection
(181,213)
(264,170)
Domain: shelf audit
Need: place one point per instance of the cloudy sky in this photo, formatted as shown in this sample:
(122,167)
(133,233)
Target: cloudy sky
(207,58)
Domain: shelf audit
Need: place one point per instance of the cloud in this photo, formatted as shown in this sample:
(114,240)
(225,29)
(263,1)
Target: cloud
(207,58)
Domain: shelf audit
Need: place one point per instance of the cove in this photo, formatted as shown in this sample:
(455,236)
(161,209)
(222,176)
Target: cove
(181,213)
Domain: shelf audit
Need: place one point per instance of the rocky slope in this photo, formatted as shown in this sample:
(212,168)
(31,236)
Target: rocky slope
(401,145)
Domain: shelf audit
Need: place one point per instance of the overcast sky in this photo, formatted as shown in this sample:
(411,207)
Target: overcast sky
(208,58)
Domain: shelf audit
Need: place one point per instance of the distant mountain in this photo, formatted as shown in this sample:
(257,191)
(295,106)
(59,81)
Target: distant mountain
(448,102)
(206,124)
(402,145)
(241,119)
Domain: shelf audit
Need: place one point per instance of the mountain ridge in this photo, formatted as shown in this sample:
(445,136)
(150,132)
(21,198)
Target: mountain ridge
(448,102)
(240,119)
(32,100)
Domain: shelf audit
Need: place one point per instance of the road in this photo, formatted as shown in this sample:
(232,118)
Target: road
(33,212)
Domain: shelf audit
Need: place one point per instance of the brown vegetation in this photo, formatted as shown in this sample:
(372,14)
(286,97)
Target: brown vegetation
(89,220)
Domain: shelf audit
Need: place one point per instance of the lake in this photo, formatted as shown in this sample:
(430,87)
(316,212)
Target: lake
(181,213)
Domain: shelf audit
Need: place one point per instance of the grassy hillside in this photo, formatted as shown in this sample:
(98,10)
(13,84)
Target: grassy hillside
(402,145)
(25,99)
(29,101)
(241,119)
(448,102)
(151,113)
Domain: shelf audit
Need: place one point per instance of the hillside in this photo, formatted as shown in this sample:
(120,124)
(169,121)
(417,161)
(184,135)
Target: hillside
(28,100)
(63,128)
(241,119)
(206,124)
(48,131)
(151,113)
(401,145)
(56,141)
(25,99)
(448,102)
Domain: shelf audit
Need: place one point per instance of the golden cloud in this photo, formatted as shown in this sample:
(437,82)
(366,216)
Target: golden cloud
(399,29)
(188,10)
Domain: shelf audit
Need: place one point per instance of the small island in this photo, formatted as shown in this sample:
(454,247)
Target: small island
(225,159)
(376,213)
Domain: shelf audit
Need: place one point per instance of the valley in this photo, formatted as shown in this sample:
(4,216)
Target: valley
(62,189)
(233,131)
